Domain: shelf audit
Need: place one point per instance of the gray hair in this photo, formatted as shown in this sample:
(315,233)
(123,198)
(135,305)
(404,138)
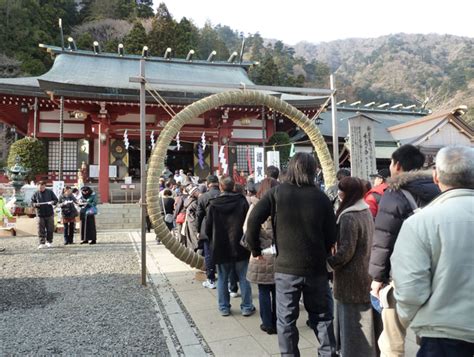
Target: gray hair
(455,166)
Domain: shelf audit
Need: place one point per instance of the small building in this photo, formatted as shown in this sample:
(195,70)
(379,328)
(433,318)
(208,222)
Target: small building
(432,132)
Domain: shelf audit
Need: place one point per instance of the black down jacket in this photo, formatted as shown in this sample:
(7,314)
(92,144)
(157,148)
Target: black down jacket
(394,208)
(224,227)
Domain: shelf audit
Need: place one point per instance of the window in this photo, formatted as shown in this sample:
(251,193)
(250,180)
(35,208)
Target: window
(69,156)
(243,151)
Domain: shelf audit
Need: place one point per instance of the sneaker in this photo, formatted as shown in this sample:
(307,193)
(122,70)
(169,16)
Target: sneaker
(224,312)
(268,330)
(209,284)
(234,295)
(249,312)
(41,246)
(49,245)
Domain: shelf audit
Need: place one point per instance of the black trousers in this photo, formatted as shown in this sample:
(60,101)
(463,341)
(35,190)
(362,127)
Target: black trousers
(88,231)
(445,347)
(69,232)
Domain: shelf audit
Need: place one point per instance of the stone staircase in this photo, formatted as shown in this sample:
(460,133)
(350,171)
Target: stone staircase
(118,216)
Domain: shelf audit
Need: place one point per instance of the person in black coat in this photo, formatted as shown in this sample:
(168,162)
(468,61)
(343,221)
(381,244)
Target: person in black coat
(200,222)
(224,228)
(43,200)
(394,208)
(68,202)
(304,227)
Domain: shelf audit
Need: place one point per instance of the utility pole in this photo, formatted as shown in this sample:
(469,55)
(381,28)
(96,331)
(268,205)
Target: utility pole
(143,167)
(335,137)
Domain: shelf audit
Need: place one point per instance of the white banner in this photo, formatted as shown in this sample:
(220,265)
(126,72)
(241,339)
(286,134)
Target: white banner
(273,159)
(58,188)
(259,164)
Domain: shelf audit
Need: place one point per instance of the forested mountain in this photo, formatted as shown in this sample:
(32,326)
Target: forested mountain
(431,70)
(434,70)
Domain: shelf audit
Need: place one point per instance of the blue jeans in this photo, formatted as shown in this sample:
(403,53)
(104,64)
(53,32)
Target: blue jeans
(267,302)
(445,347)
(223,296)
(317,303)
(210,266)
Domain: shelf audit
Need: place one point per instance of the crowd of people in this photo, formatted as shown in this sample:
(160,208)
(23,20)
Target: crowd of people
(366,260)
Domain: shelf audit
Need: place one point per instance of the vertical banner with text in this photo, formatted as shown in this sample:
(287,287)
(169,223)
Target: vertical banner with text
(259,164)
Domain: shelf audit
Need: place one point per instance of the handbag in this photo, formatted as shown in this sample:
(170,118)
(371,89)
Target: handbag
(181,217)
(91,211)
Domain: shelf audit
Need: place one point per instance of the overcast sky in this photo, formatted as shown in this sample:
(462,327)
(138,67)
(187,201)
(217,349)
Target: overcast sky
(316,20)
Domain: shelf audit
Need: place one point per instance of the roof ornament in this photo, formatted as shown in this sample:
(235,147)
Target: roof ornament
(145,52)
(232,57)
(211,56)
(96,47)
(120,49)
(190,55)
(167,54)
(72,44)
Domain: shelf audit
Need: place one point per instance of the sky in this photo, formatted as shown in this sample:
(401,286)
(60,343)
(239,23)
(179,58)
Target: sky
(321,21)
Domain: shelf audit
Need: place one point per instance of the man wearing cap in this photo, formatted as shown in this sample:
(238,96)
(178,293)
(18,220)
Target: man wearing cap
(372,198)
(202,204)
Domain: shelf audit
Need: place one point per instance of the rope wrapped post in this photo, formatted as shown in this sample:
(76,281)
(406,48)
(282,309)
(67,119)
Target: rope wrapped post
(157,159)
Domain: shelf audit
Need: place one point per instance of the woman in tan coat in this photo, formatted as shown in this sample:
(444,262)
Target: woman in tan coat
(261,271)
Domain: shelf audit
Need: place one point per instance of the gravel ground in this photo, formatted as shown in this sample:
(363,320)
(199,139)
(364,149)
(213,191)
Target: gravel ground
(76,300)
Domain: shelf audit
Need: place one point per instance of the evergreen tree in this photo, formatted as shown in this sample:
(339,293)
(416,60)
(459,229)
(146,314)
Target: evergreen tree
(187,38)
(266,73)
(162,34)
(136,39)
(145,9)
(113,9)
(210,41)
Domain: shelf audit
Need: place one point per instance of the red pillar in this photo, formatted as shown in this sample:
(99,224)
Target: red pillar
(104,143)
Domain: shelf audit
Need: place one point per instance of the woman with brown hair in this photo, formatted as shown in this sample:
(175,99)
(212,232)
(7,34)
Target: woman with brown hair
(261,271)
(350,264)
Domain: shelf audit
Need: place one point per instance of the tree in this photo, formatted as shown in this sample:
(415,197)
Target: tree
(266,73)
(113,9)
(145,9)
(210,41)
(136,39)
(187,38)
(283,139)
(162,34)
(32,155)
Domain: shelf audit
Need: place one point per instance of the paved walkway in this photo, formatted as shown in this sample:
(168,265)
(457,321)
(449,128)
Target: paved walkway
(234,335)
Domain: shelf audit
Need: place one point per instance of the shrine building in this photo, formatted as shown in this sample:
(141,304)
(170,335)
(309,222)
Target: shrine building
(101,104)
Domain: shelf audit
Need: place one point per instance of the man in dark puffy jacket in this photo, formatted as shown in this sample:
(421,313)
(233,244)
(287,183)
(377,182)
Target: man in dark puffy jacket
(407,184)
(224,227)
(200,222)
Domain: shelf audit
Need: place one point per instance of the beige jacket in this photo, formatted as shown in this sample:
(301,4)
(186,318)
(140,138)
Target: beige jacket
(261,271)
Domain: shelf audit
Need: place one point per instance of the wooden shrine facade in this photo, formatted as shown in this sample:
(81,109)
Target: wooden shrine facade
(101,104)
